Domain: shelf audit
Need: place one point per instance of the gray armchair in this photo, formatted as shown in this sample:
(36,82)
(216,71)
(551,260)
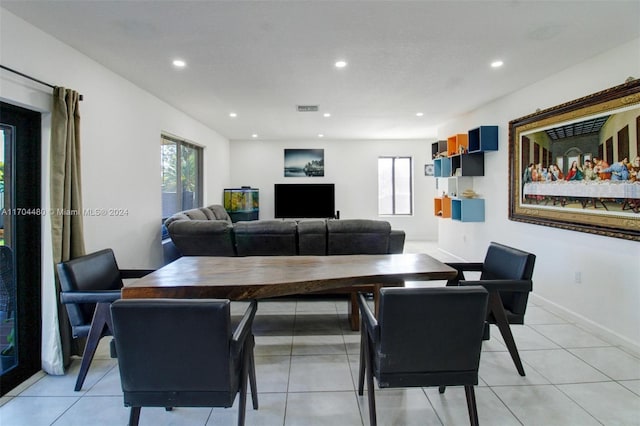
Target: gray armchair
(506,274)
(89,284)
(183,353)
(423,337)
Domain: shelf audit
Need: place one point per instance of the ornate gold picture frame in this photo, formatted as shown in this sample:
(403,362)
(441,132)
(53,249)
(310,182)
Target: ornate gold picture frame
(576,166)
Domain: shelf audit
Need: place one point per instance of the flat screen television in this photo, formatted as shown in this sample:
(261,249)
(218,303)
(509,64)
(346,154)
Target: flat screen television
(311,200)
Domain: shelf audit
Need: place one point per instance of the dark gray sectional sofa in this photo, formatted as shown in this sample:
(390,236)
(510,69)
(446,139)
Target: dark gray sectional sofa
(208,231)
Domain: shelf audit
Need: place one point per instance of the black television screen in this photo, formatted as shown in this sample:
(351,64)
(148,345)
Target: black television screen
(304,200)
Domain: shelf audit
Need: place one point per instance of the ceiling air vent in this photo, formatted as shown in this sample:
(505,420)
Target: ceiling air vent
(308,108)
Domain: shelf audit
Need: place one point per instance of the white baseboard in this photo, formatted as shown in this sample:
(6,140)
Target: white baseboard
(603,332)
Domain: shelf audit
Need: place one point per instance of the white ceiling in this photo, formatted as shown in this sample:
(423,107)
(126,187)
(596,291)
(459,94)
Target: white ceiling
(262,58)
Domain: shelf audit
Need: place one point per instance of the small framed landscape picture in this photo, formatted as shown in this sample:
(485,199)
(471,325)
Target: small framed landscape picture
(303,162)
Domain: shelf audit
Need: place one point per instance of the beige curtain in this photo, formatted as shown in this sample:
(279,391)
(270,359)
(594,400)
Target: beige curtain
(66,196)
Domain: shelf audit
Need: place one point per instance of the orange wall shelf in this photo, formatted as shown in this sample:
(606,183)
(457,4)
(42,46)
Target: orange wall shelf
(455,142)
(442,207)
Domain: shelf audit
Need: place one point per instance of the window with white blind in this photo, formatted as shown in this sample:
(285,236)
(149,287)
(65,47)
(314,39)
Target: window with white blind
(395,189)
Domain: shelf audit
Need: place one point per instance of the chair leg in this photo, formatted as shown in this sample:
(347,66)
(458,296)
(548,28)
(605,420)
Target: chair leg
(497,309)
(101,320)
(471,405)
(362,369)
(134,416)
(354,311)
(252,375)
(371,397)
(242,403)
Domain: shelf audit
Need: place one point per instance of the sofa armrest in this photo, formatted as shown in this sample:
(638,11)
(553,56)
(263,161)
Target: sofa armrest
(198,227)
(396,241)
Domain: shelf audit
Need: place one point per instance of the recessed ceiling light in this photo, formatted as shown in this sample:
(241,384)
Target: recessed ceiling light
(255,135)
(326,114)
(419,114)
(233,115)
(179,63)
(320,135)
(497,64)
(341,64)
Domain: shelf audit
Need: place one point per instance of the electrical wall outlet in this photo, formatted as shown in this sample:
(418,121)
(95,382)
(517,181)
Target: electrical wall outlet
(578,277)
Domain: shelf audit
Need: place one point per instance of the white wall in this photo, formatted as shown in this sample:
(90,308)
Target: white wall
(608,299)
(120,130)
(121,126)
(352,166)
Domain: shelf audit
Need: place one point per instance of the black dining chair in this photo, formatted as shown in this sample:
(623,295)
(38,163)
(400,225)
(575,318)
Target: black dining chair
(183,353)
(89,284)
(506,274)
(423,337)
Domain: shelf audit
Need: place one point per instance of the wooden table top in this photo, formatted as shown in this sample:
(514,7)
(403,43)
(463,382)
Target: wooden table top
(257,277)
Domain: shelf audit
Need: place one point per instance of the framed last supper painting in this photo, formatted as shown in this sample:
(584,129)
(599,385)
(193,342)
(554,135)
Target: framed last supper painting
(576,166)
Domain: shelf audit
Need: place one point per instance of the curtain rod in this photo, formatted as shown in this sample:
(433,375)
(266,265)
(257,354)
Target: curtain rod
(30,78)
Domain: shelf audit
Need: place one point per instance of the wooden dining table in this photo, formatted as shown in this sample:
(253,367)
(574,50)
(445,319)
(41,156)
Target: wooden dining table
(262,277)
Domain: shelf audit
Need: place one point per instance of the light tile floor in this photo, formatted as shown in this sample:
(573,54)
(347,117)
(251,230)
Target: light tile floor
(307,366)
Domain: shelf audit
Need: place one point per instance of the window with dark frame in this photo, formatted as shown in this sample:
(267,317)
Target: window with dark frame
(181,169)
(395,186)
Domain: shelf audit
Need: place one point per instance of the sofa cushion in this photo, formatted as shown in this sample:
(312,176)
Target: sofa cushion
(312,237)
(202,237)
(358,236)
(195,214)
(208,213)
(217,212)
(265,238)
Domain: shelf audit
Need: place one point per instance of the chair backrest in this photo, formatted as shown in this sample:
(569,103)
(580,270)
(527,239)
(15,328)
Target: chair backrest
(503,262)
(174,348)
(91,272)
(358,236)
(428,333)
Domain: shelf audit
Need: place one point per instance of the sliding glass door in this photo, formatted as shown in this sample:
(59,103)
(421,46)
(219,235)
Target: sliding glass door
(20,237)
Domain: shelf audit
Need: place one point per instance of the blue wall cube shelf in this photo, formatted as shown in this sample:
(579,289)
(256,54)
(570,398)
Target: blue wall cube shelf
(483,138)
(467,209)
